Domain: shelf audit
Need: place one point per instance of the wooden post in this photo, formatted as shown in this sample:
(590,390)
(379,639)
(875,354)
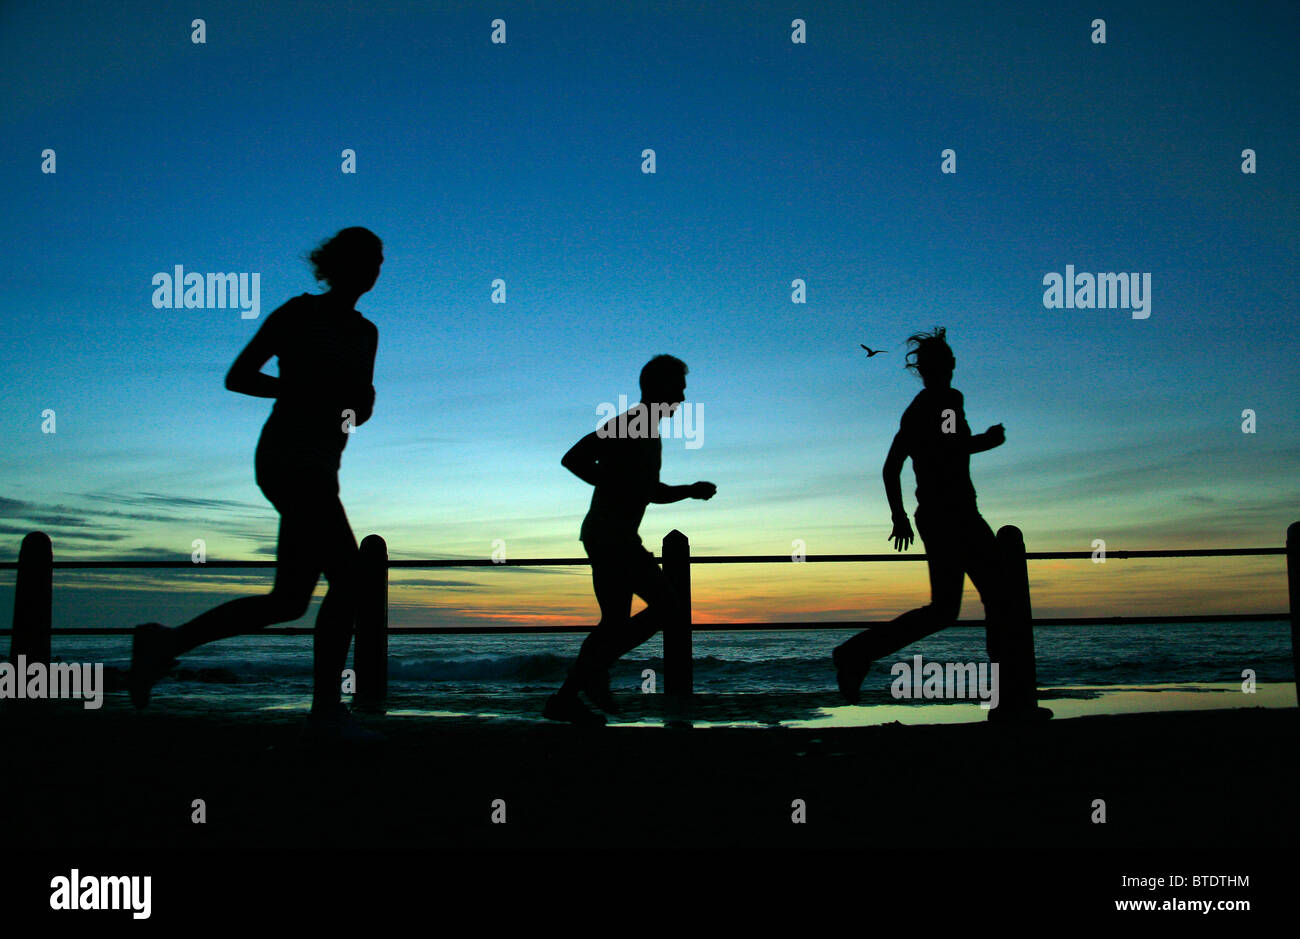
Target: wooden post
(370,657)
(1011,634)
(33,598)
(678,666)
(1293,588)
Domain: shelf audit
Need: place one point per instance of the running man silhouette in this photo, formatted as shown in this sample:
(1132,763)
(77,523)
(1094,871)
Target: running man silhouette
(957,540)
(621,459)
(326,352)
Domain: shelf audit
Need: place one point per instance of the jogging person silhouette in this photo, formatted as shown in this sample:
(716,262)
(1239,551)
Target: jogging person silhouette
(957,540)
(326,352)
(621,459)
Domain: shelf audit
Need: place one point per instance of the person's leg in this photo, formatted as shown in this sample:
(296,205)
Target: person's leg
(288,487)
(1016,691)
(613,587)
(614,596)
(941,539)
(626,571)
(982,561)
(651,585)
(648,582)
(336,618)
(297,570)
(334,549)
(154,647)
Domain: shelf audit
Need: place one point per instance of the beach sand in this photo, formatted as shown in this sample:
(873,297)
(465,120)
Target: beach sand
(112,779)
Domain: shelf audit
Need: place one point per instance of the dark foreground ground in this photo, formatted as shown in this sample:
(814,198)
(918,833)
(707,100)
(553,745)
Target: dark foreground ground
(943,826)
(114,780)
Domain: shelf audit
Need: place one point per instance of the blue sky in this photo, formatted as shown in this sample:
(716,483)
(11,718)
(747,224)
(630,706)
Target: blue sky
(775,161)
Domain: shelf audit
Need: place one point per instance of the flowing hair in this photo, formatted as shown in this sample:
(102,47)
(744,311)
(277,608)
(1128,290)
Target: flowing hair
(927,347)
(351,249)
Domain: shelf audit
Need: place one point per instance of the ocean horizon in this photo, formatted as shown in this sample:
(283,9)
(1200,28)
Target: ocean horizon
(767,676)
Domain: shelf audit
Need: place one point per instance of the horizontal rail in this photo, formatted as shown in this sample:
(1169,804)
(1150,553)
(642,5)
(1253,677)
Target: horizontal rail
(1120,555)
(717,627)
(1014,636)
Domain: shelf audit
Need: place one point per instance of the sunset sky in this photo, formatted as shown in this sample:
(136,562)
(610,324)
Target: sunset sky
(775,161)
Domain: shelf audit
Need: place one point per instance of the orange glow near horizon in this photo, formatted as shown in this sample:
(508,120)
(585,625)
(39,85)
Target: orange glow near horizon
(757,593)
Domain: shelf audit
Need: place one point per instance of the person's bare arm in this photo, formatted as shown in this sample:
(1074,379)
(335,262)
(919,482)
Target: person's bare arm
(663,493)
(582,459)
(902,534)
(892,473)
(995,436)
(368,396)
(245,375)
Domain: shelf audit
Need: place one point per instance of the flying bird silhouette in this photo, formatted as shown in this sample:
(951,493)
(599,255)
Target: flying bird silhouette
(871,352)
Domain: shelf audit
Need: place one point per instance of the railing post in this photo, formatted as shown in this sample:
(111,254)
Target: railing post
(678,665)
(1293,589)
(370,657)
(33,597)
(1011,633)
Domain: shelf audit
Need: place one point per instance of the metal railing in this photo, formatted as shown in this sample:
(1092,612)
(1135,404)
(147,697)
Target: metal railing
(33,596)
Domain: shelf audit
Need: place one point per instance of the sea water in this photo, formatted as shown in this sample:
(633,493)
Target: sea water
(763,677)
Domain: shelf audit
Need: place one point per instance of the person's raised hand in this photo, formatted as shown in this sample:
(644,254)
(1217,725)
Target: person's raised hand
(997,435)
(703,490)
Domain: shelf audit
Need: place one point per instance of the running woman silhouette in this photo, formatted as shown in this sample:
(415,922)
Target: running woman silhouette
(622,459)
(326,352)
(957,540)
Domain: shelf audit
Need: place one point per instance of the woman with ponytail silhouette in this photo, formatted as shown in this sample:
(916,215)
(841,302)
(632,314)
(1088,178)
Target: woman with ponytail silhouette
(326,353)
(934,433)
